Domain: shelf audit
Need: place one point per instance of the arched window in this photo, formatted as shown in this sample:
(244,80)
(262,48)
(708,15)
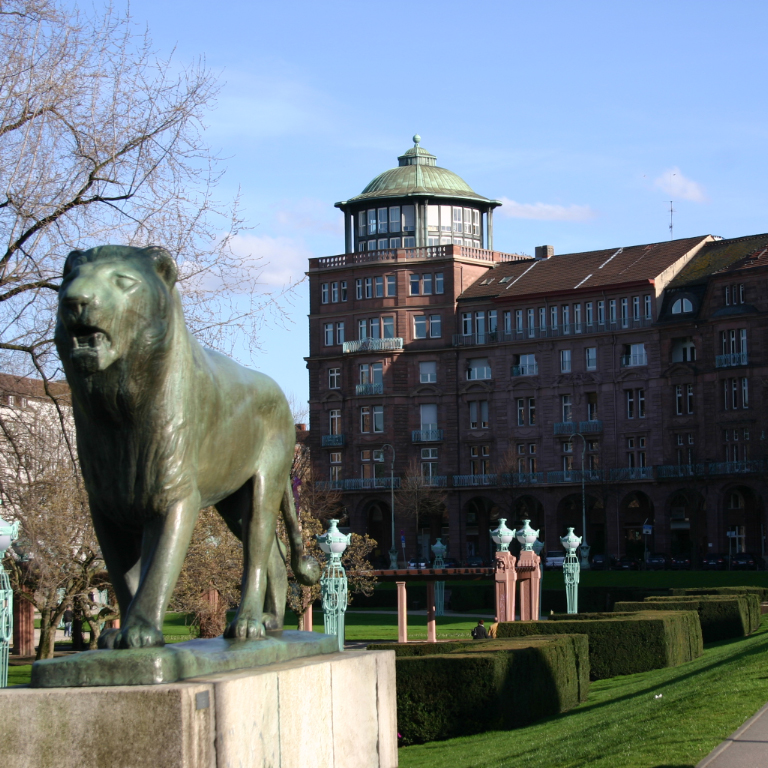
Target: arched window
(681,306)
(736,500)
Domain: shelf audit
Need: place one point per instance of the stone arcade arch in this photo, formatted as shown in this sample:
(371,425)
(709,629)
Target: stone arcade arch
(569,515)
(687,523)
(634,509)
(477,514)
(742,510)
(378,525)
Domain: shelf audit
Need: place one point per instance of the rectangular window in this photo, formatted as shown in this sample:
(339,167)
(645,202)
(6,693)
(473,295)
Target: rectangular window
(426,285)
(478,414)
(636,308)
(507,321)
(612,311)
(624,313)
(588,309)
(414,283)
(577,318)
(391,285)
(741,294)
(542,318)
(565,360)
(340,333)
(531,323)
(519,320)
(419,327)
(553,316)
(375,328)
(334,421)
(566,407)
(324,293)
(439,282)
(388,327)
(372,222)
(383,244)
(478,368)
(427,372)
(641,403)
(334,292)
(328,334)
(520,411)
(689,397)
(531,411)
(359,288)
(394,218)
(566,314)
(745,393)
(466,323)
(379,285)
(434,327)
(383,220)
(428,416)
(457,219)
(647,301)
(343,285)
(591,357)
(362,229)
(334,378)
(362,329)
(409,242)
(493,326)
(480,326)
(365,419)
(629,397)
(679,399)
(601,313)
(368,288)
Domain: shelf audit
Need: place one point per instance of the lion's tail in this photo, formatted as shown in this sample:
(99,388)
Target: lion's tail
(305,568)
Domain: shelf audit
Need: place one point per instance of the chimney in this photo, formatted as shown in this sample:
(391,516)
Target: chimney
(545,251)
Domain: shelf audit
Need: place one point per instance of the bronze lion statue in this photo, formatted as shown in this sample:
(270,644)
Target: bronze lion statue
(165,428)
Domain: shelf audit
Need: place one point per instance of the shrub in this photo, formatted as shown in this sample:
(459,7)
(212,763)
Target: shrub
(721,617)
(754,595)
(459,688)
(623,643)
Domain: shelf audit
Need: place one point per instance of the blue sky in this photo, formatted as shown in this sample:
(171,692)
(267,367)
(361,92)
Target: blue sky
(585,118)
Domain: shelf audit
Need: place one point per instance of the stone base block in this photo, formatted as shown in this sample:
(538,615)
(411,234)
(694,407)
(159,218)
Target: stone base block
(331,711)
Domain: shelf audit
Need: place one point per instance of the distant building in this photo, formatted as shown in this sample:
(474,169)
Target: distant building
(500,377)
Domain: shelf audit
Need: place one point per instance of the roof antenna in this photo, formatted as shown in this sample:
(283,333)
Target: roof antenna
(671,211)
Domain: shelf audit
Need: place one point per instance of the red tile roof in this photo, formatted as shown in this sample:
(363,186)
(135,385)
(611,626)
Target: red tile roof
(724,256)
(24,386)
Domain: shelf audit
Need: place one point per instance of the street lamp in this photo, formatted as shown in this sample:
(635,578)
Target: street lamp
(502,536)
(526,536)
(584,546)
(571,570)
(333,582)
(438,549)
(393,550)
(9,532)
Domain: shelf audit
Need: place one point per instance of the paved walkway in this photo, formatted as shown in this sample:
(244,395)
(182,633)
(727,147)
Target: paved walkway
(745,748)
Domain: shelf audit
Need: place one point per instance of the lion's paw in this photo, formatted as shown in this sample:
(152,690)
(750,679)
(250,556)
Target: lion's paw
(271,621)
(107,638)
(243,628)
(138,635)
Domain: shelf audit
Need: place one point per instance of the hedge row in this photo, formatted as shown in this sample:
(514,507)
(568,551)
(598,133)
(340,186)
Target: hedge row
(623,643)
(458,688)
(761,592)
(595,599)
(748,607)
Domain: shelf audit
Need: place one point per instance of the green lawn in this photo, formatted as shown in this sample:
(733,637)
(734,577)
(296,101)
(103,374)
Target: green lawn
(624,724)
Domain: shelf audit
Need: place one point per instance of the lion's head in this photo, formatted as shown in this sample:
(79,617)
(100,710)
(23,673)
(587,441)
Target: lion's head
(112,298)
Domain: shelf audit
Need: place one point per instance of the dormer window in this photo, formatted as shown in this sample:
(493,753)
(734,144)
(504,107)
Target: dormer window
(681,306)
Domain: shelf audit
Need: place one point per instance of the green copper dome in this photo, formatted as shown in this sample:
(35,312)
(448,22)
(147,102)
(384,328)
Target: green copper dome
(418,175)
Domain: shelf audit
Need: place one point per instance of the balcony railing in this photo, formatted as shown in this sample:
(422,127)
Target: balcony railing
(668,471)
(372,345)
(734,467)
(333,441)
(565,427)
(631,361)
(575,476)
(426,435)
(521,478)
(358,484)
(436,481)
(632,473)
(731,360)
(369,389)
(590,427)
(548,332)
(460,481)
(529,369)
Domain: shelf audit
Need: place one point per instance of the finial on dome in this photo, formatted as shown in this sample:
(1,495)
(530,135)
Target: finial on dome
(416,139)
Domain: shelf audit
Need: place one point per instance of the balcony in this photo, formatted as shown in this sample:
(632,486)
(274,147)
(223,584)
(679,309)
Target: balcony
(372,345)
(575,476)
(464,481)
(632,361)
(591,427)
(632,473)
(476,339)
(529,369)
(513,479)
(565,428)
(358,484)
(426,435)
(731,360)
(333,441)
(675,471)
(369,389)
(734,467)
(436,481)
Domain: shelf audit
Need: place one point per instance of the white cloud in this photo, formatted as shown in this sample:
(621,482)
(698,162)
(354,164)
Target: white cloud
(678,187)
(545,211)
(274,261)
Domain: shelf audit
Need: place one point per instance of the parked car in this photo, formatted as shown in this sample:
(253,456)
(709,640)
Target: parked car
(657,561)
(420,563)
(627,563)
(746,561)
(602,562)
(714,561)
(680,562)
(554,559)
(474,561)
(450,562)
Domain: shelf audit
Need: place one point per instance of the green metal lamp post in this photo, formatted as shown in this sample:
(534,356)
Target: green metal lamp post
(333,582)
(571,570)
(393,550)
(538,545)
(438,550)
(503,536)
(9,532)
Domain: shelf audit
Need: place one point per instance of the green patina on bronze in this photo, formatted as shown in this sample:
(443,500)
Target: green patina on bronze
(165,428)
(180,661)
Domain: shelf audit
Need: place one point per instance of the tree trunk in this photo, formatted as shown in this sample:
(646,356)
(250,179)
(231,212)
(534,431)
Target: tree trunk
(45,647)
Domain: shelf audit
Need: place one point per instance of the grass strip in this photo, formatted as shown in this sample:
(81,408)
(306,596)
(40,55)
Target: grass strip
(665,718)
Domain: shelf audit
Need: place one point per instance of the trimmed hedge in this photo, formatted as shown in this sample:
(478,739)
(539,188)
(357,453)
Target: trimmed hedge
(722,617)
(458,688)
(755,596)
(595,599)
(623,643)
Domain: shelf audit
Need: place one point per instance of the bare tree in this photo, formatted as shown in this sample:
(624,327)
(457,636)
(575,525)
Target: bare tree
(418,497)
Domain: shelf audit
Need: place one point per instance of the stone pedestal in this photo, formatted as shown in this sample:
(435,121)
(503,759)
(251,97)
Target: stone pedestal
(529,576)
(505,577)
(329,711)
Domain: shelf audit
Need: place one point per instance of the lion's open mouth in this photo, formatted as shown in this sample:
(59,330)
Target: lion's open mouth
(88,337)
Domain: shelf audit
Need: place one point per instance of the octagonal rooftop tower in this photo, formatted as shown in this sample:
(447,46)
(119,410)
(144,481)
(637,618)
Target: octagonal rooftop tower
(417,204)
